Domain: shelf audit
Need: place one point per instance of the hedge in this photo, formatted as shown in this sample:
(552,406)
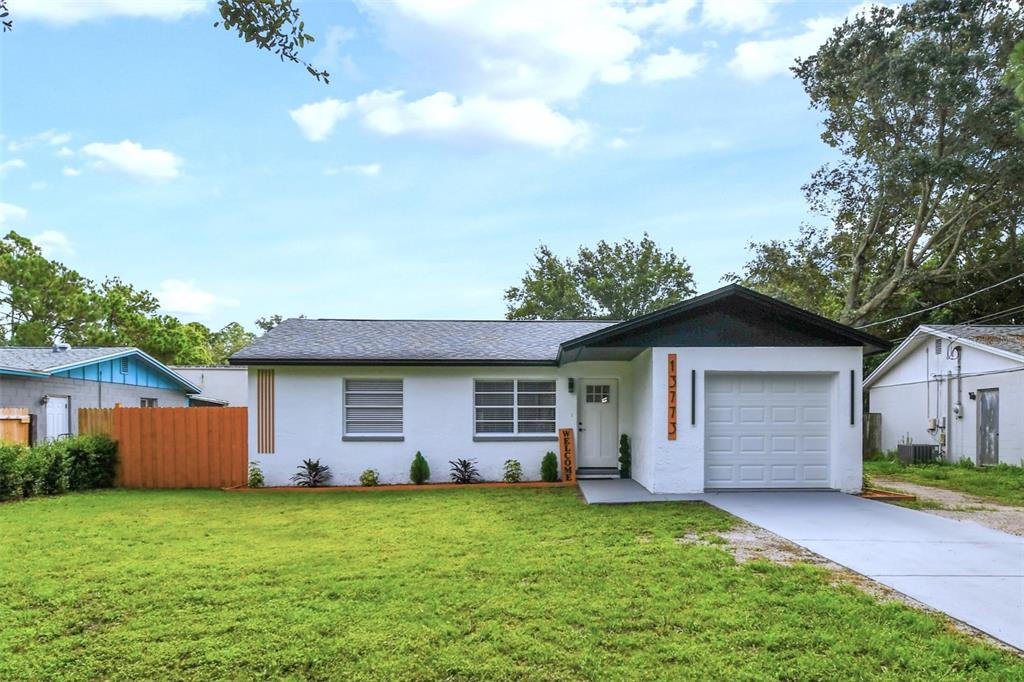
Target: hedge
(78,463)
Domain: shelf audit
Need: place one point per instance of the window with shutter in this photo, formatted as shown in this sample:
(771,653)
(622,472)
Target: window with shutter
(514,406)
(373,407)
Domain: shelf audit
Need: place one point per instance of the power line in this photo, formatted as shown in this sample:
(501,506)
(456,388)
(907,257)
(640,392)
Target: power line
(939,305)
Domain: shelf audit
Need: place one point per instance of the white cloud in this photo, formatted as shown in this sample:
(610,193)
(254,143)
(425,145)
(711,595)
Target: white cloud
(617,143)
(134,159)
(617,73)
(528,49)
(11,164)
(370,170)
(757,59)
(329,56)
(37,185)
(54,244)
(671,65)
(65,151)
(10,213)
(317,120)
(480,118)
(73,11)
(50,137)
(738,15)
(71,172)
(184,297)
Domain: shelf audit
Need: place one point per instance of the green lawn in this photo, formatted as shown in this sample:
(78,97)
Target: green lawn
(1002,483)
(422,585)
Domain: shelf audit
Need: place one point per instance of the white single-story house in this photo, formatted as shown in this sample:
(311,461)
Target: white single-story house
(960,387)
(728,390)
(53,382)
(222,385)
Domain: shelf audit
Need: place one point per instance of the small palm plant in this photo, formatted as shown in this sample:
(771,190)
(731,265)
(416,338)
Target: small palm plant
(464,471)
(312,474)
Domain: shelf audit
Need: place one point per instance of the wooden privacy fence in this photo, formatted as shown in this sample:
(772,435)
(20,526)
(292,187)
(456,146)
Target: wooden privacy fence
(14,425)
(174,447)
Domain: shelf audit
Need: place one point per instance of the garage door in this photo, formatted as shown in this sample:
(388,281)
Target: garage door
(767,431)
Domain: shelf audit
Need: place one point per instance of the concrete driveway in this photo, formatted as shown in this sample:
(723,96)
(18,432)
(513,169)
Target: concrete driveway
(974,574)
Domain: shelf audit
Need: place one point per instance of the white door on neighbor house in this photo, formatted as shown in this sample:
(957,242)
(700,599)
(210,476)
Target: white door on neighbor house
(598,423)
(767,431)
(58,417)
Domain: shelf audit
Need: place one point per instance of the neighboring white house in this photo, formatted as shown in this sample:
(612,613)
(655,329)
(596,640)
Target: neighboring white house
(960,387)
(728,390)
(221,384)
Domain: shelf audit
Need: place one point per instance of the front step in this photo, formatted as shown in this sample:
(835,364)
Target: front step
(597,472)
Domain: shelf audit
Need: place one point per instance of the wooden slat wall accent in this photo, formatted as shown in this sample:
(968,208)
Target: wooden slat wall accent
(14,425)
(175,447)
(672,391)
(567,446)
(265,411)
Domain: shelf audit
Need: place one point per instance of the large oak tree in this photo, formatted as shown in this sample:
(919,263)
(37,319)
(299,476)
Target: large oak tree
(927,198)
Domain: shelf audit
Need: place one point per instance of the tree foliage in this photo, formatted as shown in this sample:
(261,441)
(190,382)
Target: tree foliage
(610,281)
(42,300)
(1014,79)
(926,197)
(272,25)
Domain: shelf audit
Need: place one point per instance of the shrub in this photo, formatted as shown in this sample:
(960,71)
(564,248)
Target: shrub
(549,468)
(419,472)
(370,478)
(625,456)
(513,471)
(91,461)
(464,471)
(312,474)
(256,479)
(41,470)
(10,479)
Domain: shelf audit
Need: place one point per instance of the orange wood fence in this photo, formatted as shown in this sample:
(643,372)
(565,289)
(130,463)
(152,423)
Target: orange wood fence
(14,425)
(174,447)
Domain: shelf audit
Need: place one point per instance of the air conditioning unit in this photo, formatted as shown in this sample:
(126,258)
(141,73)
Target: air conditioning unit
(917,454)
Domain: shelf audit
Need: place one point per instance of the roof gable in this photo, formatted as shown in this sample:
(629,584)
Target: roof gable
(94,364)
(995,339)
(730,316)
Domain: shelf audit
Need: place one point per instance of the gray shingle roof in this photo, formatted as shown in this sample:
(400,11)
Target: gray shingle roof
(1008,337)
(44,359)
(395,341)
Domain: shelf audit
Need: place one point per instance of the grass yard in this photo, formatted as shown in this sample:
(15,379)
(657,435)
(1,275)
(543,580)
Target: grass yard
(423,585)
(1002,483)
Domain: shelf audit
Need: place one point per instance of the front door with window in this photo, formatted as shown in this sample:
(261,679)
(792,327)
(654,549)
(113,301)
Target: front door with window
(58,422)
(988,426)
(598,424)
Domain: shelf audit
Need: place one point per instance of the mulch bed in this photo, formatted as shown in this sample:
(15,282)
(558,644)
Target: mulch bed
(400,486)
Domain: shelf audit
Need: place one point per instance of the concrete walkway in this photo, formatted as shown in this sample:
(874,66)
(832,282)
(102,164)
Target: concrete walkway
(627,491)
(974,574)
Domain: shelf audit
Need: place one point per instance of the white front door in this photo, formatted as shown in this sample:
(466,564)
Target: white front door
(767,431)
(58,420)
(599,423)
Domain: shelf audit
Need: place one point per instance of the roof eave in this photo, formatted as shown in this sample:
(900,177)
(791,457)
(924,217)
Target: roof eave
(392,362)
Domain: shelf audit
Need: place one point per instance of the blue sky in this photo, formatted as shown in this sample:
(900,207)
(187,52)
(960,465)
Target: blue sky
(454,137)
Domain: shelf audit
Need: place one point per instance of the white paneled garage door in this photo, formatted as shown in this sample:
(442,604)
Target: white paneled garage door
(767,431)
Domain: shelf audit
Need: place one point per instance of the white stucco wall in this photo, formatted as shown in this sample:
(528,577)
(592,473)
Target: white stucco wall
(923,385)
(643,397)
(438,420)
(678,466)
(228,383)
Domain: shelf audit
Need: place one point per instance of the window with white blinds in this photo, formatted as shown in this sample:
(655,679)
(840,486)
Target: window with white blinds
(373,407)
(514,406)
